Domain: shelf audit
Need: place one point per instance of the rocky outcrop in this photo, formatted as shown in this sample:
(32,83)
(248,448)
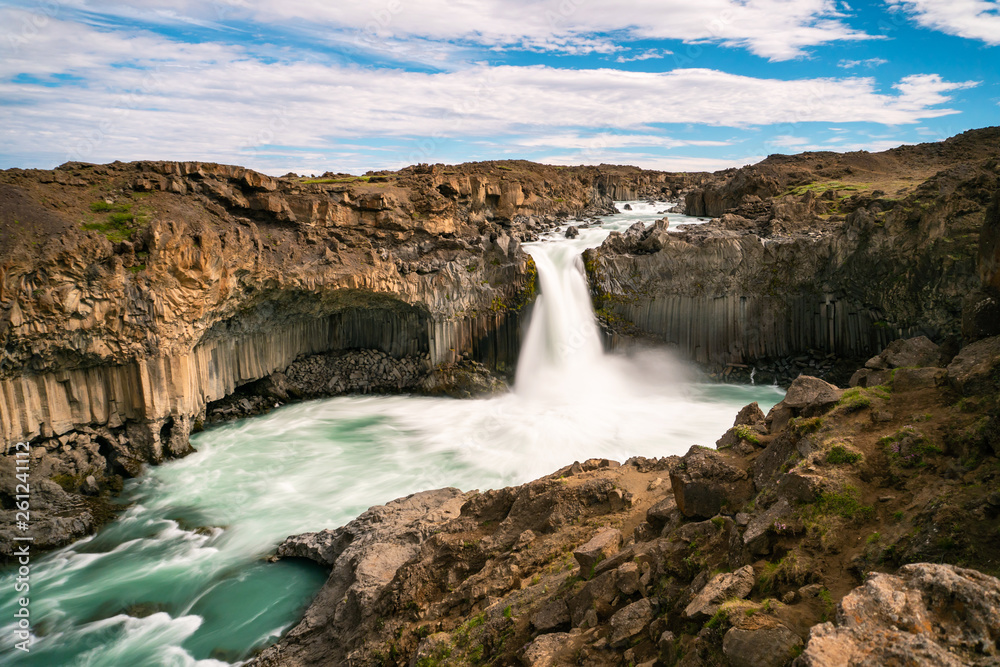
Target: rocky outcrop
(926,614)
(804,265)
(562,571)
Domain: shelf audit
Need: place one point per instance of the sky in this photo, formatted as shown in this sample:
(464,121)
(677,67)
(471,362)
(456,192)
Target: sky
(311,86)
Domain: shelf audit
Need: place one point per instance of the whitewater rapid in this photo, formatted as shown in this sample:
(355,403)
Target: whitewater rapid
(180,577)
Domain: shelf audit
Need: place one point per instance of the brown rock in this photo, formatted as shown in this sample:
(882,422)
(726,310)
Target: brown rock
(749,415)
(773,646)
(551,616)
(755,538)
(912,379)
(927,614)
(705,481)
(545,650)
(722,587)
(601,546)
(911,352)
(630,622)
(596,596)
(810,394)
(976,369)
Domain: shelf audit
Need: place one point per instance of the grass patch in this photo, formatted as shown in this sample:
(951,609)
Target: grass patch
(908,447)
(860,398)
(803,426)
(839,455)
(744,432)
(120,221)
(845,503)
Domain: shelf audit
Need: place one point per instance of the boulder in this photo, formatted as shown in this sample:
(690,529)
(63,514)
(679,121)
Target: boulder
(630,622)
(545,650)
(596,596)
(628,579)
(656,237)
(662,512)
(810,395)
(755,538)
(798,485)
(551,616)
(704,482)
(867,377)
(749,415)
(975,370)
(926,614)
(912,379)
(722,587)
(911,352)
(601,546)
(773,646)
(572,232)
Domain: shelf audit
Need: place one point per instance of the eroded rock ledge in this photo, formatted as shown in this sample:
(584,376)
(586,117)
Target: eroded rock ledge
(136,297)
(824,533)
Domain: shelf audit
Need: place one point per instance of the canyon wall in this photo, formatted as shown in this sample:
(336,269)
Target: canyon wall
(800,263)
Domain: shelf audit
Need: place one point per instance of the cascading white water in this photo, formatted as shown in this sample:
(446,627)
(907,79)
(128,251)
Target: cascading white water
(563,347)
(179,578)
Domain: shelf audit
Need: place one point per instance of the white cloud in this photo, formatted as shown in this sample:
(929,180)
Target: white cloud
(144,96)
(644,55)
(972,19)
(651,161)
(605,140)
(869,62)
(774,29)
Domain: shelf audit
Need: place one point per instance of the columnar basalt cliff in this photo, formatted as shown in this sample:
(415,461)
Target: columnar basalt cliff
(854,526)
(818,253)
(133,296)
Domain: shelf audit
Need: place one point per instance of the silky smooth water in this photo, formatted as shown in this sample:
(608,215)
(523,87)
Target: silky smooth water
(179,578)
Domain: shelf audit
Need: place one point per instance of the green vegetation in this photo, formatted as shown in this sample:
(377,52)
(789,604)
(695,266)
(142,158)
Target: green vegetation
(828,606)
(744,432)
(803,426)
(859,398)
(907,448)
(120,221)
(845,503)
(821,187)
(840,454)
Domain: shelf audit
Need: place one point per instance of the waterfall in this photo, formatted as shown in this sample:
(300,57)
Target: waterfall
(563,345)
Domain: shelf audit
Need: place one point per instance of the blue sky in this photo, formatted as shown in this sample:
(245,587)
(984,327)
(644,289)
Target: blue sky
(343,85)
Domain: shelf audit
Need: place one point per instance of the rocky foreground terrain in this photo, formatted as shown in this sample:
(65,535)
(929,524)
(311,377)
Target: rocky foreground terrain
(856,526)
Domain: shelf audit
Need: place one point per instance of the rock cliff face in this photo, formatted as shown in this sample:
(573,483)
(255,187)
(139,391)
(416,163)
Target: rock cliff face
(134,296)
(828,528)
(800,262)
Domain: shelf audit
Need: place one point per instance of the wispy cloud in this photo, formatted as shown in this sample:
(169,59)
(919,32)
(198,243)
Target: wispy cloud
(972,19)
(868,62)
(650,160)
(649,54)
(773,29)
